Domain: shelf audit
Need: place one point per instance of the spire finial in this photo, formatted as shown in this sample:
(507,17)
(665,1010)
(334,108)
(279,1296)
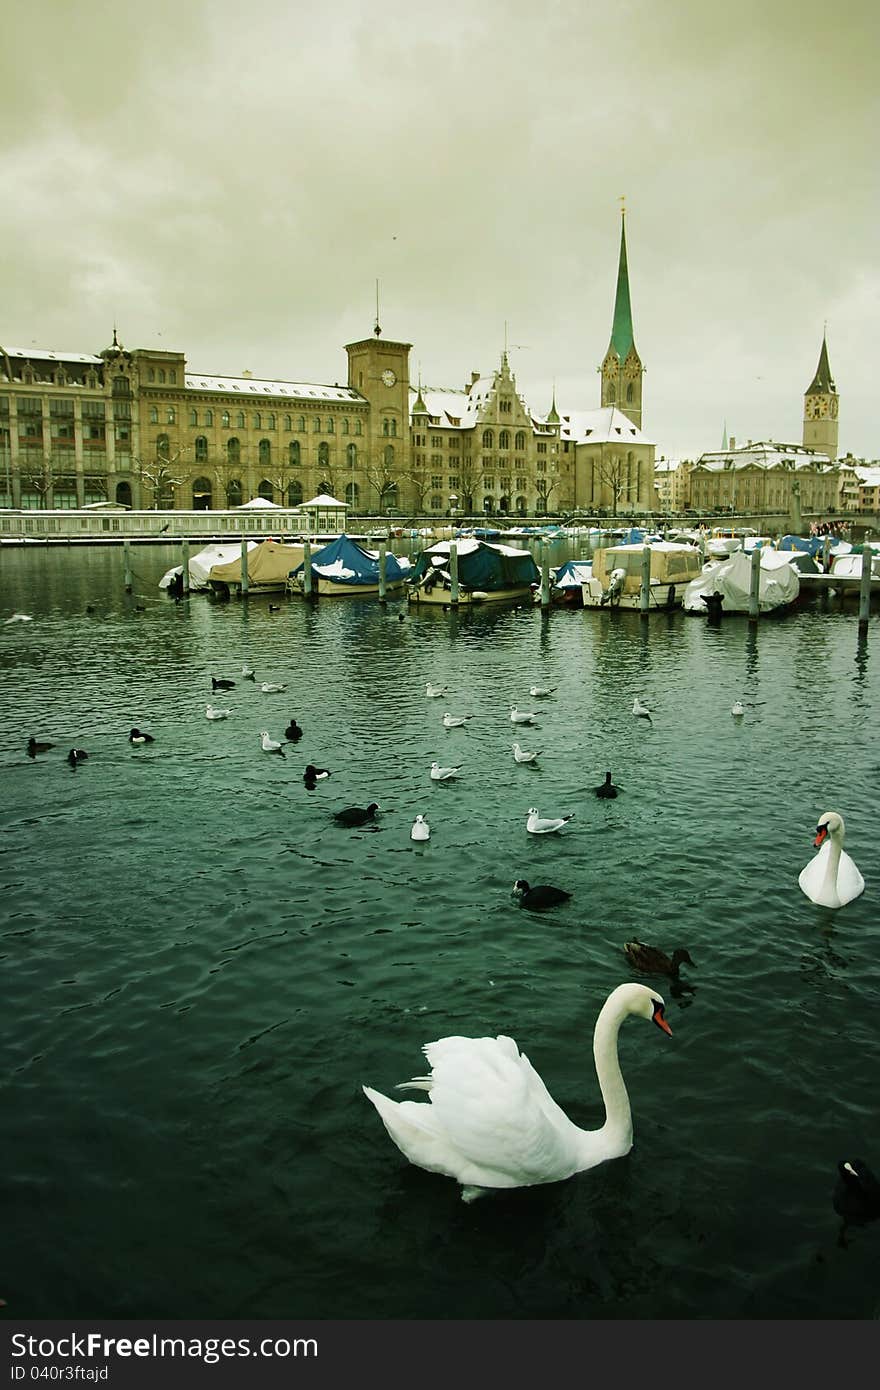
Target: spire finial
(377,330)
(115,343)
(622,201)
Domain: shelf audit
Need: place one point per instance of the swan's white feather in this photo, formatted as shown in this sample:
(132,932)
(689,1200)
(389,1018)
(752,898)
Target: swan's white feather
(817,880)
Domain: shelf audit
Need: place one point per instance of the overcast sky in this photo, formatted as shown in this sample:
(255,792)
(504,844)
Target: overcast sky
(231,179)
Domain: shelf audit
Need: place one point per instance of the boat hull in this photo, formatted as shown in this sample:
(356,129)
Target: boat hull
(329,588)
(439,595)
(661,597)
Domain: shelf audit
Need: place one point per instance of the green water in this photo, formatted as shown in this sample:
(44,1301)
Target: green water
(200,968)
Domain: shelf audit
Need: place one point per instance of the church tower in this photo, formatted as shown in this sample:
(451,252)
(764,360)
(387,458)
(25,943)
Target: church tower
(821,405)
(622,368)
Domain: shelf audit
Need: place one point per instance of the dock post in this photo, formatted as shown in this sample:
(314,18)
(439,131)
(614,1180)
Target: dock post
(244,569)
(545,575)
(645,592)
(755,586)
(826,549)
(126,565)
(453,572)
(383,557)
(184,557)
(307,567)
(865,586)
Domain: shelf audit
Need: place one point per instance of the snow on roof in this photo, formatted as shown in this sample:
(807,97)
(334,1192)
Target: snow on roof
(763,455)
(607,425)
(455,409)
(324,500)
(249,386)
(39,355)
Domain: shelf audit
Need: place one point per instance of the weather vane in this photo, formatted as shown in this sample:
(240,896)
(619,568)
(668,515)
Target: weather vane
(622,201)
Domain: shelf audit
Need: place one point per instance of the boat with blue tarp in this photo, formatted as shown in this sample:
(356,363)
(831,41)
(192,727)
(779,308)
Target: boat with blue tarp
(346,568)
(481,571)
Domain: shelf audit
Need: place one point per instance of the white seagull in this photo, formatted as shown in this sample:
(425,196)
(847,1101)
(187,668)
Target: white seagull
(248,673)
(738,709)
(213,713)
(538,691)
(541,825)
(442,774)
(521,716)
(269,689)
(18,618)
(270,745)
(454,721)
(521,756)
(434,691)
(641,711)
(421,830)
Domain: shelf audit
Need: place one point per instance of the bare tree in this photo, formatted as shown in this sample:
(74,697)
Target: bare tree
(544,486)
(612,475)
(420,482)
(383,477)
(159,475)
(470,476)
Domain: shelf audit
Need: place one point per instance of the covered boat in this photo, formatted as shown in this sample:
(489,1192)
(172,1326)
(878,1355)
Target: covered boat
(268,565)
(344,567)
(616,579)
(200,565)
(778,584)
(567,584)
(486,573)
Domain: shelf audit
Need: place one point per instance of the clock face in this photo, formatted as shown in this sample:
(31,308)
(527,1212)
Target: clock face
(834,407)
(388,377)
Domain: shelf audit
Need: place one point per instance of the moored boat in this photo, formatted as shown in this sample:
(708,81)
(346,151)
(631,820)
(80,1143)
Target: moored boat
(344,568)
(616,578)
(268,565)
(484,573)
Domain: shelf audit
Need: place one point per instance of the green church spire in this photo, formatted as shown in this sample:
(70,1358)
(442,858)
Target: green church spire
(553,417)
(622,329)
(823,381)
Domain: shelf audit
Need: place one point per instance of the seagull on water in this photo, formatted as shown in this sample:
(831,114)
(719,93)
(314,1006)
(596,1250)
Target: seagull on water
(248,673)
(213,713)
(269,689)
(443,774)
(18,618)
(521,756)
(270,745)
(421,830)
(737,709)
(433,692)
(454,721)
(641,711)
(545,825)
(521,716)
(140,738)
(539,691)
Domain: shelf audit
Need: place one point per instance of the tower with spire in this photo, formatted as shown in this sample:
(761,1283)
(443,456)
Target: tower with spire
(821,408)
(622,369)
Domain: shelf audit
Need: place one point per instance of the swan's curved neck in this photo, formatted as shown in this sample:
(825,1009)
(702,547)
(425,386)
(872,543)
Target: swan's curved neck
(834,851)
(617,1129)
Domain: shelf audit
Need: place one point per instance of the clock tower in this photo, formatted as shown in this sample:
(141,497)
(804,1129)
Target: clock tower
(821,406)
(378,370)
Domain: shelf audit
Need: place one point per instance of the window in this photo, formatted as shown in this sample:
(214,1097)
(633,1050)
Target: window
(454,444)
(345,424)
(351,455)
(161,376)
(504,440)
(488,480)
(519,441)
(151,375)
(331,425)
(293,454)
(201,495)
(163,446)
(436,503)
(172,377)
(193,418)
(265,453)
(323,454)
(239,420)
(301,423)
(201,449)
(505,405)
(488,439)
(541,466)
(266,491)
(352,494)
(436,480)
(209,417)
(388,456)
(287,423)
(234,493)
(258,420)
(629,394)
(436,441)
(154,415)
(233,450)
(171,415)
(358,427)
(270,424)
(294,493)
(542,447)
(316,425)
(225,420)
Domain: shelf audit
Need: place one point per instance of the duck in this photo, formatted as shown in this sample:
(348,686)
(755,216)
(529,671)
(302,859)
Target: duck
(521,716)
(455,721)
(521,756)
(542,896)
(641,711)
(270,745)
(221,684)
(138,737)
(76,755)
(34,746)
(356,815)
(315,774)
(856,1192)
(421,830)
(545,825)
(443,774)
(831,878)
(274,607)
(607,789)
(293,733)
(491,1122)
(654,961)
(212,712)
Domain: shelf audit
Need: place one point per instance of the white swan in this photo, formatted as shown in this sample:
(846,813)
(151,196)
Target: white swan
(491,1121)
(831,878)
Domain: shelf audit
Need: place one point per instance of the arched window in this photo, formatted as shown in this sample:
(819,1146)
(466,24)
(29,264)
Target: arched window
(265,453)
(209,417)
(389,496)
(234,493)
(258,420)
(201,449)
(151,375)
(154,415)
(352,494)
(323,454)
(171,415)
(301,423)
(358,427)
(294,493)
(611,393)
(488,503)
(123,494)
(504,440)
(161,376)
(172,377)
(266,491)
(288,425)
(224,420)
(521,506)
(270,424)
(239,420)
(193,418)
(202,495)
(293,455)
(323,487)
(345,424)
(162,446)
(316,425)
(388,456)
(519,441)
(331,424)
(488,439)
(629,393)
(386,426)
(233,450)
(351,455)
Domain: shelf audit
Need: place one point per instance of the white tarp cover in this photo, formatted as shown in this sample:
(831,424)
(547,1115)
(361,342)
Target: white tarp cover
(200,564)
(778,584)
(270,562)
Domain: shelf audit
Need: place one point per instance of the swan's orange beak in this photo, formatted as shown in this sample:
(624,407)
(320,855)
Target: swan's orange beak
(821,836)
(660,1020)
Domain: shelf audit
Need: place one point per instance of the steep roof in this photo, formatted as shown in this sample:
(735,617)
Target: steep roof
(607,425)
(823,381)
(622,329)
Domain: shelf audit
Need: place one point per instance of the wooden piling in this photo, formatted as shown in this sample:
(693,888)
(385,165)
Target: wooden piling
(307,568)
(453,572)
(645,591)
(545,575)
(826,550)
(184,558)
(755,585)
(126,565)
(383,560)
(244,567)
(865,586)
